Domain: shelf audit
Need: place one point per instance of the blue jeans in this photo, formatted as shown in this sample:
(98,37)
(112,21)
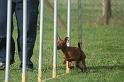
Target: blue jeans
(32,14)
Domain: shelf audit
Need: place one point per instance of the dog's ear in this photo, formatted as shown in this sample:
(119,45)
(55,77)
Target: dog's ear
(58,37)
(66,39)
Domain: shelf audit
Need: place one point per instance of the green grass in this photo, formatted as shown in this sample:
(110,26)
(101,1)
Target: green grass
(103,45)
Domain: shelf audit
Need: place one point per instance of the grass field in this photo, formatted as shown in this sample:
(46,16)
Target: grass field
(103,45)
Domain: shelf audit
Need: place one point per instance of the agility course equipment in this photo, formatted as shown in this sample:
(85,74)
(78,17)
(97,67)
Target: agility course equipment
(41,40)
(24,40)
(80,23)
(8,41)
(68,29)
(55,38)
(56,18)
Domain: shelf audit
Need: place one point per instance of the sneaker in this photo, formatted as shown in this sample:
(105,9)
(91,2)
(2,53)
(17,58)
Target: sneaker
(2,66)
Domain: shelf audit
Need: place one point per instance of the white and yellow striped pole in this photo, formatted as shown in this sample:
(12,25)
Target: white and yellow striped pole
(55,38)
(79,23)
(68,29)
(41,40)
(8,40)
(24,40)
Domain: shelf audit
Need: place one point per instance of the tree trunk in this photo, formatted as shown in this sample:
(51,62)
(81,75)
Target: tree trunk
(106,11)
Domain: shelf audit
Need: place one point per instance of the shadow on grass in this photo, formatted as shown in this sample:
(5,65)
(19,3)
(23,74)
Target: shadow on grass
(105,67)
(44,68)
(91,69)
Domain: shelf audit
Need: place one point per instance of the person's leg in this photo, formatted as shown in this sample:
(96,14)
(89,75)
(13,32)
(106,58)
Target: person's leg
(3,18)
(32,14)
(3,25)
(3,51)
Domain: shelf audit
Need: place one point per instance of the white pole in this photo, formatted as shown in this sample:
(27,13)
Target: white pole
(41,40)
(79,23)
(55,38)
(24,40)
(8,41)
(68,28)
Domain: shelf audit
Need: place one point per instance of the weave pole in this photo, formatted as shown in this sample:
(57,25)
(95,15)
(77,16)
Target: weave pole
(8,40)
(79,23)
(24,40)
(55,38)
(41,40)
(68,29)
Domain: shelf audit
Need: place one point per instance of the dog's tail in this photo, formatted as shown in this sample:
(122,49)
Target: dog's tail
(82,53)
(79,46)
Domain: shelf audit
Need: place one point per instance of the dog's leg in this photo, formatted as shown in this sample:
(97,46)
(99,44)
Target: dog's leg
(79,65)
(64,62)
(71,64)
(84,65)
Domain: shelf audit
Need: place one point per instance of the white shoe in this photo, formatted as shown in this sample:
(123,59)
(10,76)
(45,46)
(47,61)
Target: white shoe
(2,66)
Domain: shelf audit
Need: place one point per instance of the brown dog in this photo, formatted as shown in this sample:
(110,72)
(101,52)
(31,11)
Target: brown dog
(72,54)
